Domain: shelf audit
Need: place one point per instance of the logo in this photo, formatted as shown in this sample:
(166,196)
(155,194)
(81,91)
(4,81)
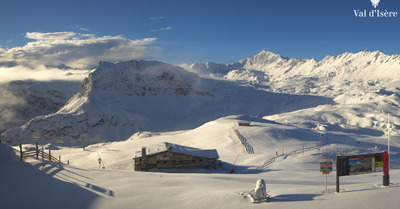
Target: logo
(375,3)
(375,13)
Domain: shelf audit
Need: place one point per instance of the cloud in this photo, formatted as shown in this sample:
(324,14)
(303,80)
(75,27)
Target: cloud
(157,18)
(40,73)
(50,36)
(166,28)
(163,29)
(83,29)
(75,50)
(8,103)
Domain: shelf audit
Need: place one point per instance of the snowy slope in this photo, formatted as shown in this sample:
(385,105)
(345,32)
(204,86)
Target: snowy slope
(119,99)
(293,178)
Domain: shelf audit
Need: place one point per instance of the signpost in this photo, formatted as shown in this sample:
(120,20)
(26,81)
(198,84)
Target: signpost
(36,137)
(325,166)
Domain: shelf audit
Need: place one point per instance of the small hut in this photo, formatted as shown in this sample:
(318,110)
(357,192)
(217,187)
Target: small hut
(171,156)
(244,123)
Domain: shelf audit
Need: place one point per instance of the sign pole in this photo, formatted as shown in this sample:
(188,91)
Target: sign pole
(337,174)
(389,129)
(326,182)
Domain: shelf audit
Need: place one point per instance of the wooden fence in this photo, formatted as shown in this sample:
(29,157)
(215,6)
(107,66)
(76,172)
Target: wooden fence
(38,153)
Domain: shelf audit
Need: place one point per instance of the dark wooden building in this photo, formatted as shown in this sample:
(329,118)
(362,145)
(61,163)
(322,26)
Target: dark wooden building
(244,123)
(169,156)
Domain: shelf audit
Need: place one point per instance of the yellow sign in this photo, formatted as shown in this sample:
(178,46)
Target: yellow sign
(379,164)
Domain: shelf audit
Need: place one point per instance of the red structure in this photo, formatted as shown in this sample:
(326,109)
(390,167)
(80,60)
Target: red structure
(386,180)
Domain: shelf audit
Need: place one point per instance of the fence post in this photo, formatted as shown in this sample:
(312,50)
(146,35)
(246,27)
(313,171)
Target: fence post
(37,150)
(43,154)
(20,151)
(49,154)
(59,158)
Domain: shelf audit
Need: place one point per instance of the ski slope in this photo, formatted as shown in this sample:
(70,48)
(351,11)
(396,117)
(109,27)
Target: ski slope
(292,177)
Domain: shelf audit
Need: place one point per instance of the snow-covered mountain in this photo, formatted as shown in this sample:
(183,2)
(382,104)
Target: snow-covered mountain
(292,75)
(364,85)
(119,99)
(347,92)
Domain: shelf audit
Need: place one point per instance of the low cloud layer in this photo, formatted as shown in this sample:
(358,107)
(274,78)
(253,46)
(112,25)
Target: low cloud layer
(8,103)
(40,73)
(71,49)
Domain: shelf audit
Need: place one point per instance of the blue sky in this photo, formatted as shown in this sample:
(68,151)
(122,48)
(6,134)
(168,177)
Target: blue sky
(210,30)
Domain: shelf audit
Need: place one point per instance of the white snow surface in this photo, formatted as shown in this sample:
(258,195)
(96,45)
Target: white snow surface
(293,178)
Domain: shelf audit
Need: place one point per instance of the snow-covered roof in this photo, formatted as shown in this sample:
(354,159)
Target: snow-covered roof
(212,153)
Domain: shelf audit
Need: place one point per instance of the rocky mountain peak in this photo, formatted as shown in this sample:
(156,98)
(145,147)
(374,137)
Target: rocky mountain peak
(139,78)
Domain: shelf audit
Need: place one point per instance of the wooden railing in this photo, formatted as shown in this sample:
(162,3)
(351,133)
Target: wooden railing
(38,153)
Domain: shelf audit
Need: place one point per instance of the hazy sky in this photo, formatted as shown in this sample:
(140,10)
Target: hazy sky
(79,32)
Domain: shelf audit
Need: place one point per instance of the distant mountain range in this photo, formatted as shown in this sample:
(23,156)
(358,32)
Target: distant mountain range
(278,73)
(118,99)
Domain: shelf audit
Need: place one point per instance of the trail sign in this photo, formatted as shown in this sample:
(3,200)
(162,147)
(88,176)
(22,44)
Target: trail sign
(325,165)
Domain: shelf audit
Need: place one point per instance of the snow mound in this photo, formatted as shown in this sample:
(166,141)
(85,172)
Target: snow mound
(7,154)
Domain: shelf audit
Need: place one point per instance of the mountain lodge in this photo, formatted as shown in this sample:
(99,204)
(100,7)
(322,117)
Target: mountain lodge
(169,156)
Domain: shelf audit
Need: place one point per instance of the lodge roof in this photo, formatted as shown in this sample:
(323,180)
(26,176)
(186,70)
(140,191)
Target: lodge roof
(166,146)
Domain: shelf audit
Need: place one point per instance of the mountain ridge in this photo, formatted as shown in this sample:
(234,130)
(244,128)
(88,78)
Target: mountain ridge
(259,60)
(118,99)
(271,70)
